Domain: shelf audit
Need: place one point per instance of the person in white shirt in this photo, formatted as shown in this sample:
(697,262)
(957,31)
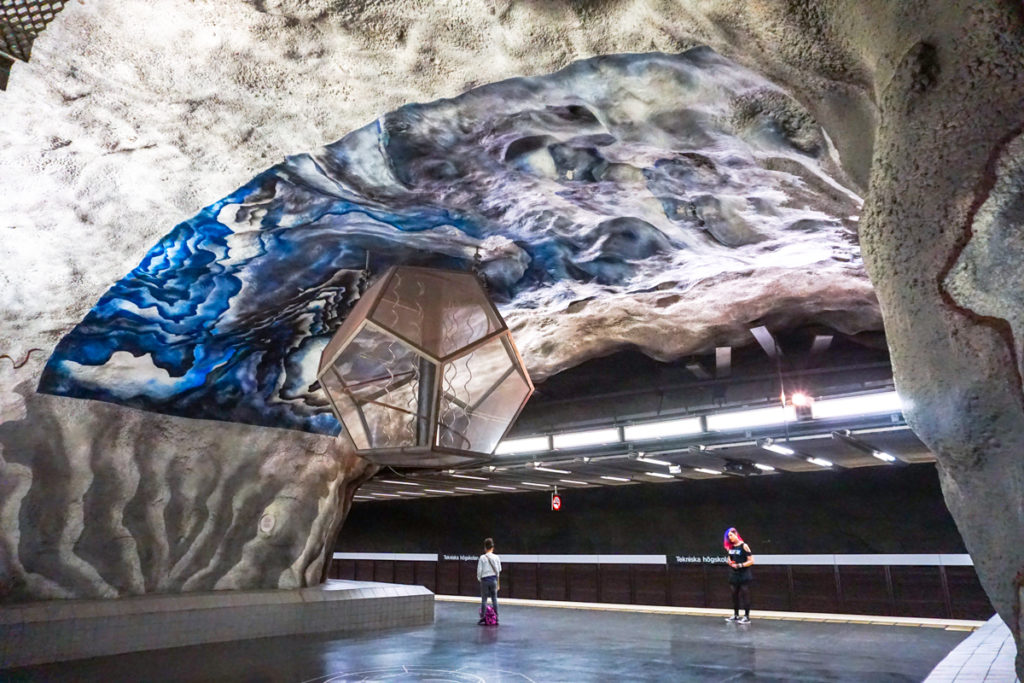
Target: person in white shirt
(488,568)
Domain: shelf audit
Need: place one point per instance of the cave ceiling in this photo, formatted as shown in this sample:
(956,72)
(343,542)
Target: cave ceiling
(651,201)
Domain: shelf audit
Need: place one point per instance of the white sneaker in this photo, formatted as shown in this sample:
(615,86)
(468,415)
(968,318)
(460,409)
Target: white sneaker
(744,620)
(733,618)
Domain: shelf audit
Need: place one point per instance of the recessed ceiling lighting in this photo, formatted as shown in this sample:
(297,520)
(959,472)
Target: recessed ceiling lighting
(437,490)
(705,470)
(659,474)
(503,488)
(764,468)
(466,488)
(885,457)
(609,478)
(533,483)
(820,462)
(573,481)
(776,448)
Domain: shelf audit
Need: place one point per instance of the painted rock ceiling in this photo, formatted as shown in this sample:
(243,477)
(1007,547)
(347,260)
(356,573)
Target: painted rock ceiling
(659,201)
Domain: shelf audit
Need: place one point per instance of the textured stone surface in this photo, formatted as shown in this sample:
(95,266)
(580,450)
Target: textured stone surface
(119,138)
(104,501)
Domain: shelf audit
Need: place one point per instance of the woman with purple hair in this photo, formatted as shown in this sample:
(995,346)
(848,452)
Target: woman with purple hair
(740,560)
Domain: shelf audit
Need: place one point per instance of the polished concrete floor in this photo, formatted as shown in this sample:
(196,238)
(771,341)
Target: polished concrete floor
(544,644)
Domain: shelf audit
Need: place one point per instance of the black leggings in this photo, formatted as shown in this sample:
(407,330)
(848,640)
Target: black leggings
(741,597)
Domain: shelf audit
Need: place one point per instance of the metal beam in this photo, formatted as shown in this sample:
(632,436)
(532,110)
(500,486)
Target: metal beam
(766,340)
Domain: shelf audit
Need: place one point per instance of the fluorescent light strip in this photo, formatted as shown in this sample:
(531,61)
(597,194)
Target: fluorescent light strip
(883,456)
(363,497)
(615,478)
(551,469)
(659,474)
(705,470)
(820,462)
(503,488)
(466,488)
(592,437)
(776,448)
(395,481)
(744,419)
(437,490)
(764,468)
(469,476)
(412,493)
(530,444)
(386,495)
(573,481)
(532,483)
(652,461)
(865,404)
(662,429)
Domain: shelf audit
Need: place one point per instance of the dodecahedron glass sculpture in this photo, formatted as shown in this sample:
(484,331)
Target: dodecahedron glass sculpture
(423,372)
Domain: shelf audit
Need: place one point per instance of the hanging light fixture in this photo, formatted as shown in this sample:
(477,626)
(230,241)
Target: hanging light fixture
(423,372)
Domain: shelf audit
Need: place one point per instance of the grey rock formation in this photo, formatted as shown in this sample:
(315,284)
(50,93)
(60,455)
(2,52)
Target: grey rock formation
(104,501)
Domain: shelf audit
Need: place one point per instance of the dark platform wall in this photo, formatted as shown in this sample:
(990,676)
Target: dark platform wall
(893,509)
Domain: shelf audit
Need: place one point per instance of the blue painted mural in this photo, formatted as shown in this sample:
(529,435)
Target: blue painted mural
(613,175)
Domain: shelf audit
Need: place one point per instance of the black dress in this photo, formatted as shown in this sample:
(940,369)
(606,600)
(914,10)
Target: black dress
(739,554)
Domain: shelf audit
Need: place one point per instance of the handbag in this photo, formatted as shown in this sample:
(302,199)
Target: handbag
(497,579)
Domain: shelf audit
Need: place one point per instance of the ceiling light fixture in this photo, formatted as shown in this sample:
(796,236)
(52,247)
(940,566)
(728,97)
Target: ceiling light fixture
(467,488)
(610,478)
(659,474)
(653,461)
(539,468)
(573,481)
(883,456)
(820,462)
(399,482)
(764,468)
(593,437)
(864,404)
(769,444)
(530,444)
(705,470)
(469,476)
(503,488)
(386,495)
(662,429)
(533,483)
(746,419)
(437,490)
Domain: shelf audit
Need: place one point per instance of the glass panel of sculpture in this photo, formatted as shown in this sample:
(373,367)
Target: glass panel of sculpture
(439,312)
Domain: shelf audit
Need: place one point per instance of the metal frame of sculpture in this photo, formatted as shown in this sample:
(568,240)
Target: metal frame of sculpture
(424,372)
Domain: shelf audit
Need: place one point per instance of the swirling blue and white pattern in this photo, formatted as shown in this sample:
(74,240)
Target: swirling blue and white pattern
(616,175)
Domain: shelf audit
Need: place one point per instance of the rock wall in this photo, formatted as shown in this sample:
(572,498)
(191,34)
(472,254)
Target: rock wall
(98,500)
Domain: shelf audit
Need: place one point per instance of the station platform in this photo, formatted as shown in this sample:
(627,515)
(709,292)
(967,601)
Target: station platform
(540,642)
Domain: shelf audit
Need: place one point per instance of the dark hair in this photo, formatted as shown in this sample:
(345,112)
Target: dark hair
(488,544)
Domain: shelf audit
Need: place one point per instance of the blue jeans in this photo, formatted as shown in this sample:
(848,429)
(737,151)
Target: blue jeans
(488,587)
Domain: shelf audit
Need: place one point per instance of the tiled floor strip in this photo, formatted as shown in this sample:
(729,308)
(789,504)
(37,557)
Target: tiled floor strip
(985,655)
